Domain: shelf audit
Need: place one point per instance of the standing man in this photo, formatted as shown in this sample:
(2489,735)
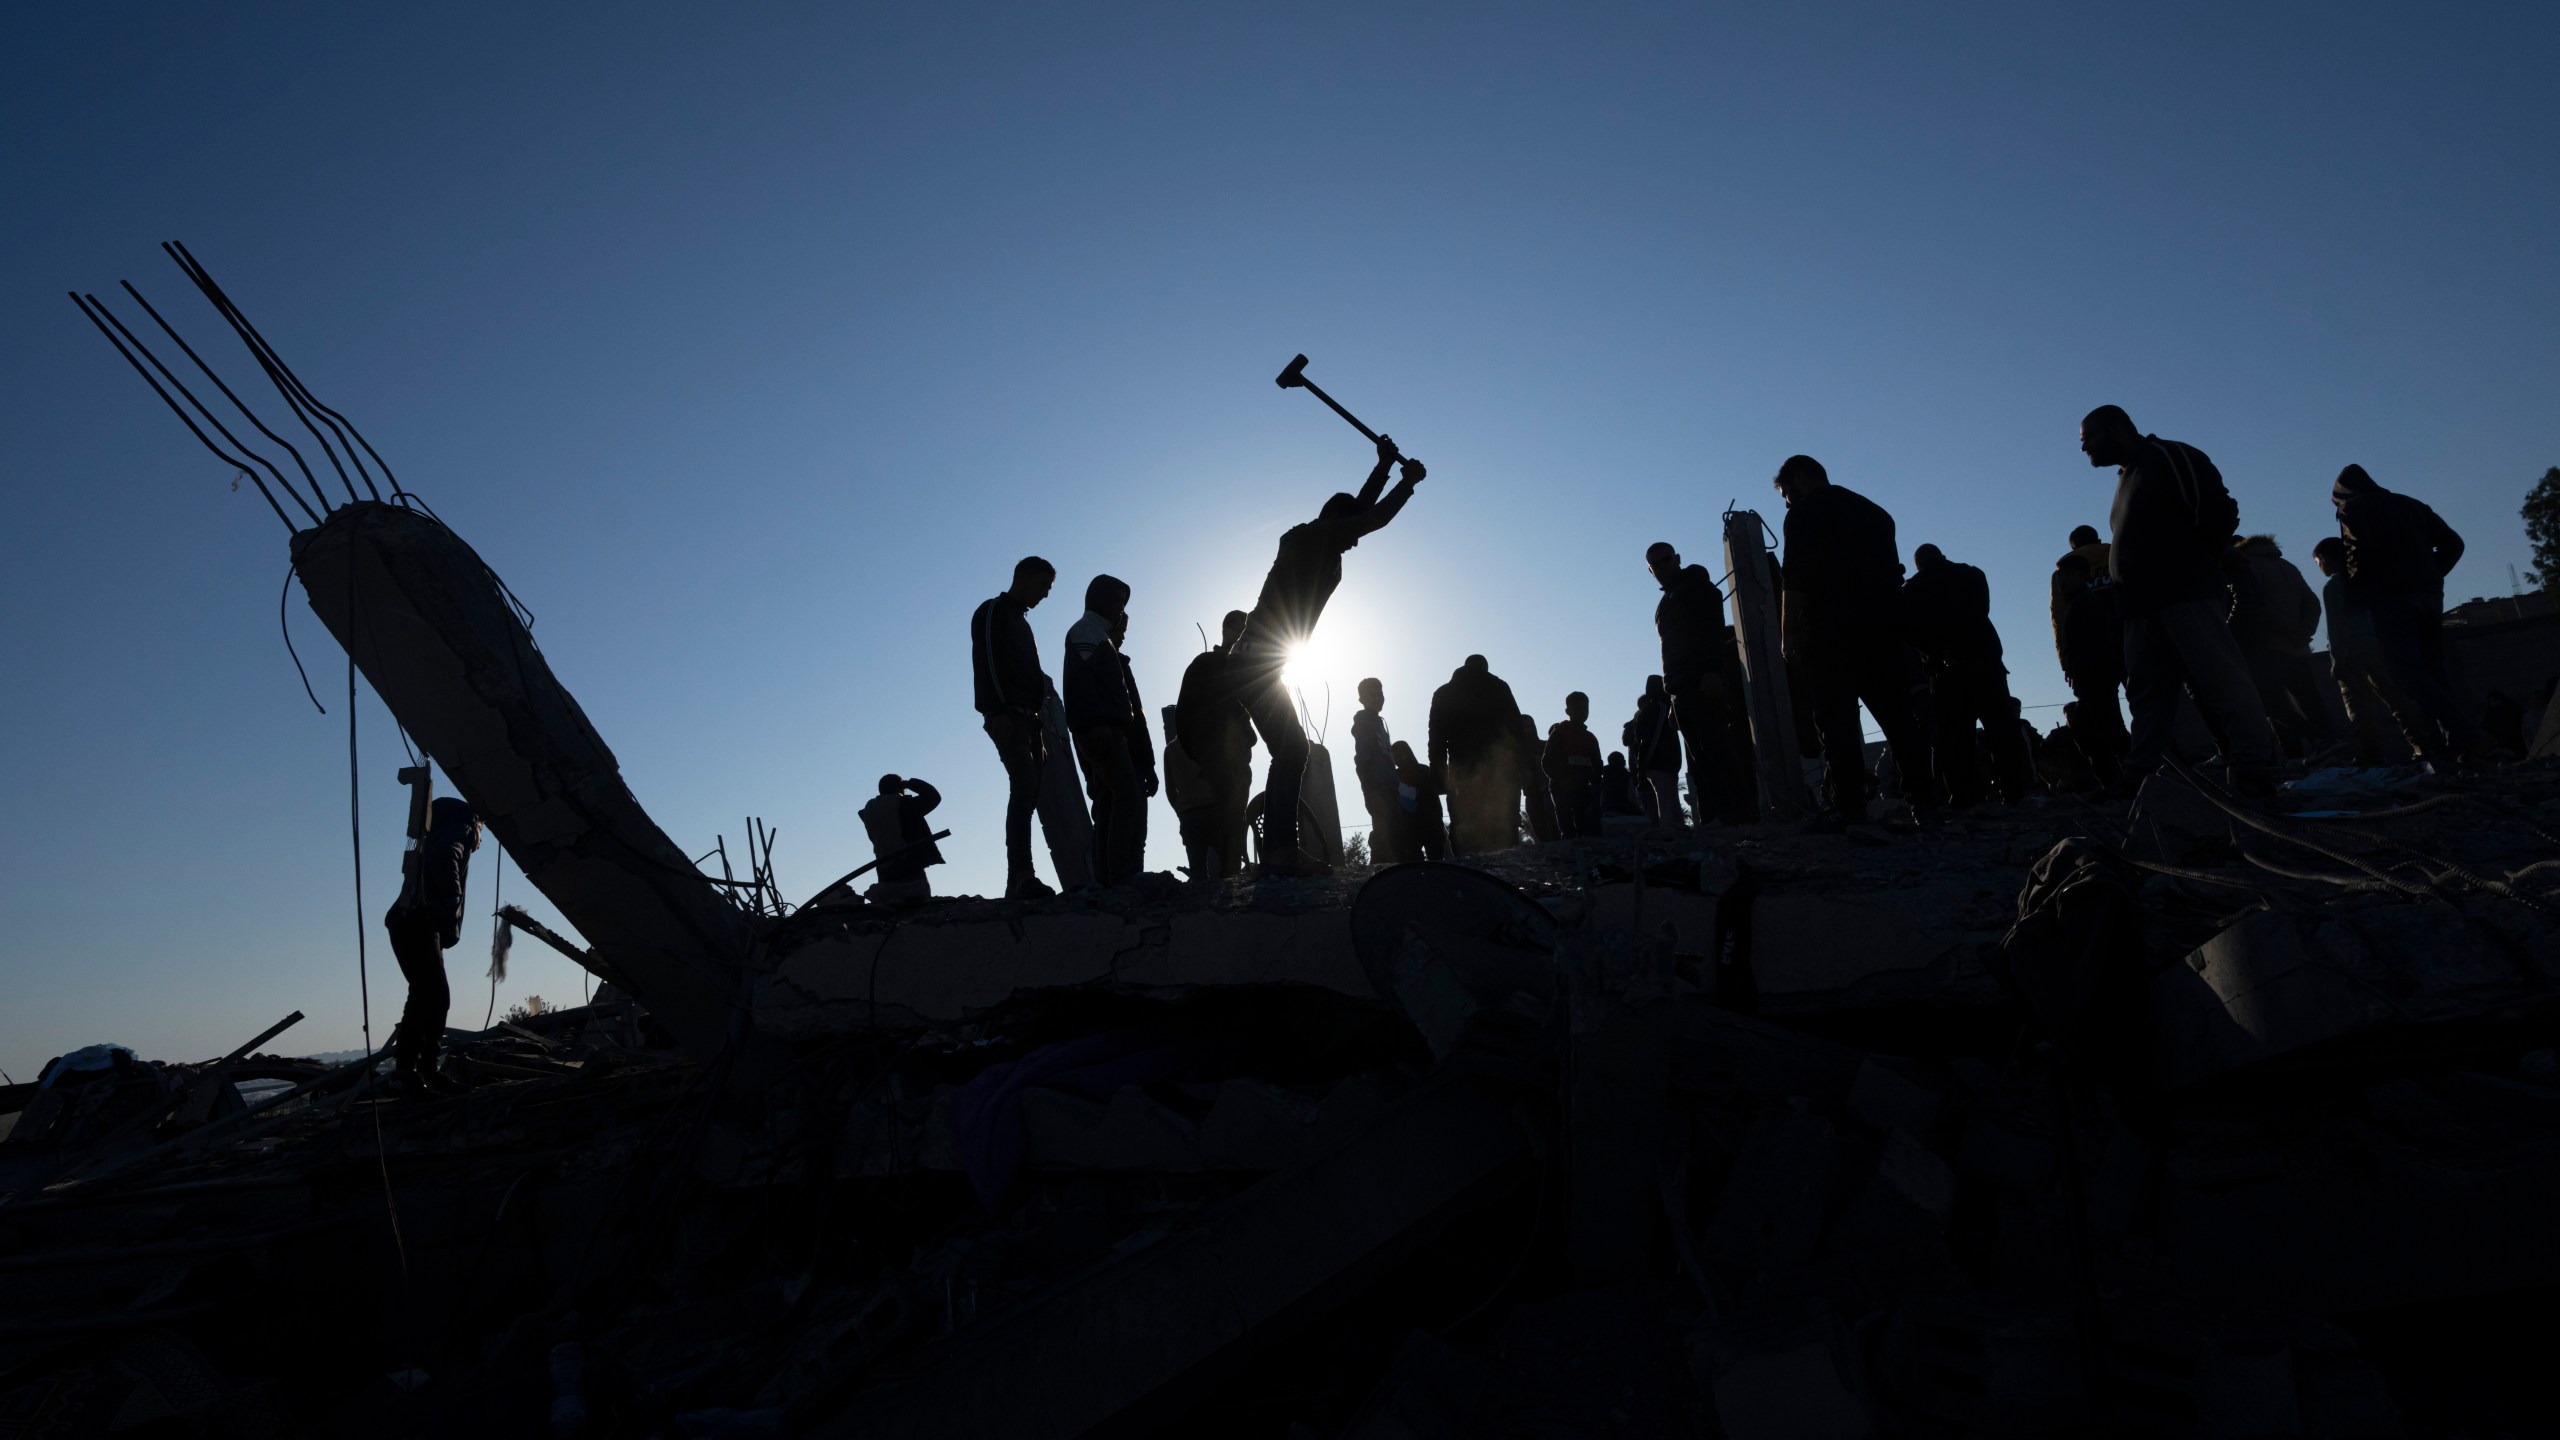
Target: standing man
(1653,748)
(1112,744)
(1689,619)
(1573,768)
(1474,722)
(1009,684)
(1218,735)
(1373,760)
(2088,639)
(1838,626)
(2273,617)
(2169,525)
(2403,550)
(1948,607)
(2355,657)
(901,839)
(1303,577)
(426,921)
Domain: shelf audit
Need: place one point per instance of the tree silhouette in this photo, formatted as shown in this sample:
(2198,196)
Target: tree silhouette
(2542,528)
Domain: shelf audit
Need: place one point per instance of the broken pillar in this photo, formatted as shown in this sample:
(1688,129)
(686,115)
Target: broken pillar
(1764,670)
(436,633)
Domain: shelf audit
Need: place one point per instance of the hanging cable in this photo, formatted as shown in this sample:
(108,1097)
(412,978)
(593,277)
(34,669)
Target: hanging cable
(281,624)
(189,421)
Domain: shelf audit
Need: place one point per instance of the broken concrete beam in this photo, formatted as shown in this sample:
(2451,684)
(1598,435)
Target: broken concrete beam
(1783,794)
(432,629)
(1128,1342)
(2277,986)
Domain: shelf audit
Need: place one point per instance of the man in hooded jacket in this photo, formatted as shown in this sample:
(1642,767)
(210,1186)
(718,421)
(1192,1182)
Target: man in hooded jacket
(2401,550)
(425,921)
(901,837)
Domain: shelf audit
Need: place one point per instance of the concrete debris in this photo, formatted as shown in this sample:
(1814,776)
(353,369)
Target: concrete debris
(2169,1120)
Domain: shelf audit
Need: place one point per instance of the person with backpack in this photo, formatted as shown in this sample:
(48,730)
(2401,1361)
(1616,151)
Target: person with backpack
(2171,522)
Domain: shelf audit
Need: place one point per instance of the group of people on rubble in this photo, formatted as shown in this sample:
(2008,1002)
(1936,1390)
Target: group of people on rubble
(2173,605)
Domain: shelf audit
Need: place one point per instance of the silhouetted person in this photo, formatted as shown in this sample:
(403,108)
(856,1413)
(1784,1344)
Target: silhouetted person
(1474,729)
(2091,548)
(1947,605)
(2274,614)
(1840,629)
(1696,671)
(1218,733)
(1654,743)
(1005,663)
(2089,643)
(1418,797)
(1373,761)
(1537,808)
(426,921)
(2170,522)
(2403,550)
(1065,824)
(1303,577)
(2355,657)
(1617,787)
(1112,743)
(901,839)
(1572,766)
(1142,743)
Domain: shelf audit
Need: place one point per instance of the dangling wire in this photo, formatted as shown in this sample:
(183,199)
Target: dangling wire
(189,421)
(282,625)
(191,354)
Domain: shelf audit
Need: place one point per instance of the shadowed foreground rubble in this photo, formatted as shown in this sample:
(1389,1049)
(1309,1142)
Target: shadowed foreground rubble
(1761,1134)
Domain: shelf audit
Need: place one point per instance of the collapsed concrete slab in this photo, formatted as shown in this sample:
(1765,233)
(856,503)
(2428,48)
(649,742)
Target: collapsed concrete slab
(1126,1340)
(2291,986)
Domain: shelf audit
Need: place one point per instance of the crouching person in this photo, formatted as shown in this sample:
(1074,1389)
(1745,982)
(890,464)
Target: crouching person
(901,839)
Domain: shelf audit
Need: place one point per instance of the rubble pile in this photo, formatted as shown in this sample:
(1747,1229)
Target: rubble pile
(2190,1117)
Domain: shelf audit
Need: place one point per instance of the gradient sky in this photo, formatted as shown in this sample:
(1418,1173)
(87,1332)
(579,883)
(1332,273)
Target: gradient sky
(752,346)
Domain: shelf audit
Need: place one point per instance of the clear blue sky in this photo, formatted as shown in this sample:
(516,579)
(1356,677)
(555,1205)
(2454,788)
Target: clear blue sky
(752,345)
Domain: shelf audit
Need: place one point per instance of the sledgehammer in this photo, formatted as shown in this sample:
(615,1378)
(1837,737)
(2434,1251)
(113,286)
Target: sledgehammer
(1295,378)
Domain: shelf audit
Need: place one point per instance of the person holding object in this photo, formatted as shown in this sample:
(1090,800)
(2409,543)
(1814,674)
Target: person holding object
(1303,577)
(901,839)
(425,921)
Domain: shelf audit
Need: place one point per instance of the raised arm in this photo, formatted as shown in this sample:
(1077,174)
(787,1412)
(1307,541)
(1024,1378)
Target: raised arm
(1374,517)
(1388,455)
